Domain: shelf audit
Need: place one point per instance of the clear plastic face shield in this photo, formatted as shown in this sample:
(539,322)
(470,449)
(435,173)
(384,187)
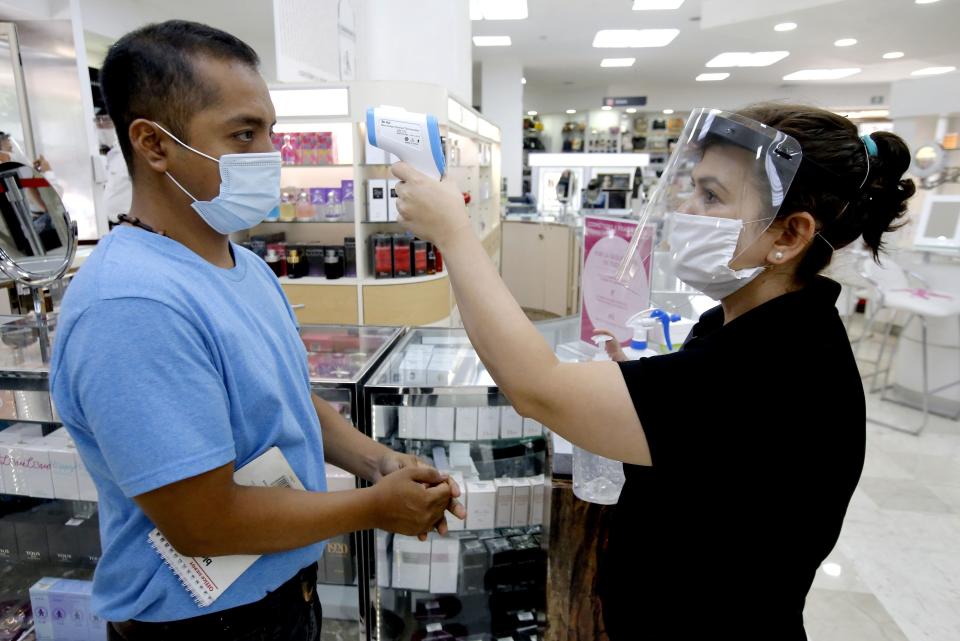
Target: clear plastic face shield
(698,235)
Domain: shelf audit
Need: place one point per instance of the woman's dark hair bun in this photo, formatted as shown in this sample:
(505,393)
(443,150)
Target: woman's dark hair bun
(884,198)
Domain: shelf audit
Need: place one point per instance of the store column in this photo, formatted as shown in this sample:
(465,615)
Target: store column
(418,41)
(501,95)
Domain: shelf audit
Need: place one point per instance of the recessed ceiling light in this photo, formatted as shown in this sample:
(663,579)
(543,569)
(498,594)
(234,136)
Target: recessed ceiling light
(606,108)
(667,112)
(822,74)
(523,81)
(892,55)
(845,42)
(933,71)
(785,26)
(531,113)
(571,111)
(498,9)
(748,59)
(656,5)
(926,1)
(617,62)
(631,110)
(711,77)
(492,41)
(832,569)
(634,38)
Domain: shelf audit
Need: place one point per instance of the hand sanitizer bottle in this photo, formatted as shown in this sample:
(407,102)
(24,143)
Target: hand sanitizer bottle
(597,479)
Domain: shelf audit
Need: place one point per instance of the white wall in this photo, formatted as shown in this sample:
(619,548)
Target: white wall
(502,99)
(939,95)
(398,43)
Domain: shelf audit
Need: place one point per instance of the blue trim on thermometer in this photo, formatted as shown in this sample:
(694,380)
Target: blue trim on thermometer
(371,128)
(433,131)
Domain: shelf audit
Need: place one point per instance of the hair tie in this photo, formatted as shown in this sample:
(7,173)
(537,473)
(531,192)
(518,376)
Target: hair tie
(870,145)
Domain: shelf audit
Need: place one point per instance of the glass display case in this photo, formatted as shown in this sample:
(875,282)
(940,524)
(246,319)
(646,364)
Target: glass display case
(486,580)
(340,359)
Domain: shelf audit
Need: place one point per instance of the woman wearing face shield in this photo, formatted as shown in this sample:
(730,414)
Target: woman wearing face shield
(742,449)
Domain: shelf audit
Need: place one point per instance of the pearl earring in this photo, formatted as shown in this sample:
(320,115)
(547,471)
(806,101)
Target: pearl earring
(778,255)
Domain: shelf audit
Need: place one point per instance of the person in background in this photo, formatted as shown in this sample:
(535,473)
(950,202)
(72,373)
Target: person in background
(117,189)
(178,360)
(11,151)
(741,450)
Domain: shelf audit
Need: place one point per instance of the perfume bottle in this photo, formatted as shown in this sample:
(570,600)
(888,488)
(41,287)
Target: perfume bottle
(304,209)
(273,262)
(431,259)
(293,264)
(332,264)
(334,209)
(289,154)
(288,210)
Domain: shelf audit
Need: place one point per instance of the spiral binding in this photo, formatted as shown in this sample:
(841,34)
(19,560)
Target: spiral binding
(200,595)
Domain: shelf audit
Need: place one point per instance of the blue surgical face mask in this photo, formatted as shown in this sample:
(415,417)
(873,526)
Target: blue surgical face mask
(249,189)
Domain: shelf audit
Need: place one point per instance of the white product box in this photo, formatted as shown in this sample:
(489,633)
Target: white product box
(453,523)
(488,423)
(482,505)
(85,487)
(12,480)
(384,420)
(413,369)
(511,423)
(466,423)
(377,200)
(63,469)
(383,558)
(412,422)
(411,563)
(392,197)
(531,428)
(339,480)
(35,466)
(444,565)
(442,367)
(60,435)
(522,489)
(440,423)
(504,517)
(538,495)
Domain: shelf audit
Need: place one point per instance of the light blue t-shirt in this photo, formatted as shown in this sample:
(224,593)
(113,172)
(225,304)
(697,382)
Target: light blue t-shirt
(165,367)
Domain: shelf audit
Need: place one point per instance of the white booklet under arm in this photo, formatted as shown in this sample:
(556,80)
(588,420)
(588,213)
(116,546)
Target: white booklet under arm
(206,578)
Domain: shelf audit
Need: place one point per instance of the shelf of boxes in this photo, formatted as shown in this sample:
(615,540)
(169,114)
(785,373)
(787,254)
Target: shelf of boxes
(337,159)
(433,398)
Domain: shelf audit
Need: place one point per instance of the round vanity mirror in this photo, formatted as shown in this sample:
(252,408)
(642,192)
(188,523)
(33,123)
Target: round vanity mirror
(927,160)
(37,238)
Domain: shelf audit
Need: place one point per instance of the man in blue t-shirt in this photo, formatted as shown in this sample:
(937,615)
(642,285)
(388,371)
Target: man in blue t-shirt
(178,360)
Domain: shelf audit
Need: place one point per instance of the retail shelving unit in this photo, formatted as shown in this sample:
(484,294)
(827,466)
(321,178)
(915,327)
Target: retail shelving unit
(472,149)
(432,397)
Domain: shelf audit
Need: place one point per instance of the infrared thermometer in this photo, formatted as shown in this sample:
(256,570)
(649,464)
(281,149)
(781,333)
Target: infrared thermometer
(413,137)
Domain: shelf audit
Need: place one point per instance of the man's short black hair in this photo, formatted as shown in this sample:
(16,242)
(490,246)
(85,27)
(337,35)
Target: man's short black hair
(149,73)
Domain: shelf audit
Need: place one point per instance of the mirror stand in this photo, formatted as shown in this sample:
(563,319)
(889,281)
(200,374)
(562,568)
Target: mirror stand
(43,323)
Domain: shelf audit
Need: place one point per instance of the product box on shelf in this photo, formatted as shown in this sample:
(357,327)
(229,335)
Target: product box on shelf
(440,423)
(377,200)
(511,423)
(66,542)
(538,495)
(504,515)
(9,551)
(413,367)
(62,611)
(393,213)
(401,256)
(411,563)
(64,463)
(531,428)
(466,423)
(384,421)
(522,490)
(488,423)
(444,565)
(482,505)
(474,562)
(381,256)
(412,422)
(339,560)
(384,543)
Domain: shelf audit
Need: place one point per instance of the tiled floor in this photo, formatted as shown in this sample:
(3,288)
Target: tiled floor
(898,558)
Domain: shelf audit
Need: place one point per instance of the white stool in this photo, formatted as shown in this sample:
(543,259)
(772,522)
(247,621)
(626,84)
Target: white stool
(896,294)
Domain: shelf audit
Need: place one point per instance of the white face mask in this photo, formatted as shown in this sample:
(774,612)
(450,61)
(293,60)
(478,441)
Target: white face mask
(249,189)
(703,248)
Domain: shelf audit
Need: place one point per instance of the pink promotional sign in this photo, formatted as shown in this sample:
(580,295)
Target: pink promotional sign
(606,303)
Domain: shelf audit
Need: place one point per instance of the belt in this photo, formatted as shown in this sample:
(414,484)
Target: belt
(295,592)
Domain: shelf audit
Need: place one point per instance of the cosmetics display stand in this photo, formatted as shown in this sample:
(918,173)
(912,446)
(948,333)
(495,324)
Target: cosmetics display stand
(432,397)
(336,114)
